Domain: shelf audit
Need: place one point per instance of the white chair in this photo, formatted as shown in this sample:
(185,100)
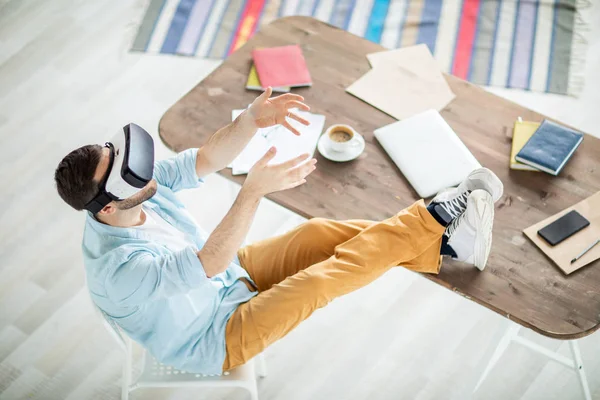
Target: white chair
(155,374)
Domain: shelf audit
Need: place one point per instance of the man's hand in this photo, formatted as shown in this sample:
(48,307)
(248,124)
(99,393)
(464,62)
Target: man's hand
(268,112)
(264,179)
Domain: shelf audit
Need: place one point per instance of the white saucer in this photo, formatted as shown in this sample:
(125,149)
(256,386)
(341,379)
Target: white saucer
(339,156)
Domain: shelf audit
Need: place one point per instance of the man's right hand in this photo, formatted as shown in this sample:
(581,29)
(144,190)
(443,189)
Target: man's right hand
(264,179)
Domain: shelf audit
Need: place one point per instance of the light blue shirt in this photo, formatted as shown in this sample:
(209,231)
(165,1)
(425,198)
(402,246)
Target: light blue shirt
(163,299)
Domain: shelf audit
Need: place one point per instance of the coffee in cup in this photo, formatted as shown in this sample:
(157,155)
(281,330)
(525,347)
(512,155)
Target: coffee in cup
(341,137)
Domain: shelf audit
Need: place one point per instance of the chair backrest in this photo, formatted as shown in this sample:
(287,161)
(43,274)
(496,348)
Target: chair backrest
(113,329)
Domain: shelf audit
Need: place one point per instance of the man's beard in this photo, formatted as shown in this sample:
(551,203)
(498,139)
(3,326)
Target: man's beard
(147,192)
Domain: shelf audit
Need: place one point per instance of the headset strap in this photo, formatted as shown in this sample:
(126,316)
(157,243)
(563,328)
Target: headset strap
(98,202)
(102,198)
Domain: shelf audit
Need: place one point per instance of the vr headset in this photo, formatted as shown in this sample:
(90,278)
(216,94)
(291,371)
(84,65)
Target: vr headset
(130,168)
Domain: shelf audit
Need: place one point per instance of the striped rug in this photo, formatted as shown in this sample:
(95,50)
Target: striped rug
(527,44)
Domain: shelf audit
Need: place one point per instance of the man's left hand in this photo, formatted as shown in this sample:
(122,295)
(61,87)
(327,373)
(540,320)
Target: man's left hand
(272,111)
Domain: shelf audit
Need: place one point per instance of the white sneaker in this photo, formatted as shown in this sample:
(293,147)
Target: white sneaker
(454,200)
(470,235)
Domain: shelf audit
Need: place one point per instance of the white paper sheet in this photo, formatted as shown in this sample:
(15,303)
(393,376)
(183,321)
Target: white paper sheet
(287,144)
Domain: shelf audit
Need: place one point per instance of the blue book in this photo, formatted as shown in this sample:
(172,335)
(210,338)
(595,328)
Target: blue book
(550,147)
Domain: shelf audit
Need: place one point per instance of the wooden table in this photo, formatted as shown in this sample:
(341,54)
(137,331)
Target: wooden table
(519,282)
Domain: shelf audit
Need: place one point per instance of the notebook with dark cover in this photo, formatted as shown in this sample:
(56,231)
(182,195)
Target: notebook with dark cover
(550,147)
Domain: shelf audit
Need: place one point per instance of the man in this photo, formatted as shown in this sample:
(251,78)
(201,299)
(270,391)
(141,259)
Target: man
(207,305)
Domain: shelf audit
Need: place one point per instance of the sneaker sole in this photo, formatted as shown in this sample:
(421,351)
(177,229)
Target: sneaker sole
(494,184)
(484,205)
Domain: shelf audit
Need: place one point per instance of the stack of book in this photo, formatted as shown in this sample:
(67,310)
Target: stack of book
(545,146)
(282,68)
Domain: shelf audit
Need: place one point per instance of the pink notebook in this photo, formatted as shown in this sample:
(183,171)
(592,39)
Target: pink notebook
(281,66)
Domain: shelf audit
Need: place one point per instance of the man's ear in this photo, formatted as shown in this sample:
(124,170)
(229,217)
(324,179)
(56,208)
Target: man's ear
(108,209)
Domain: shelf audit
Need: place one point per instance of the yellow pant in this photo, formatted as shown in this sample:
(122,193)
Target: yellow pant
(304,269)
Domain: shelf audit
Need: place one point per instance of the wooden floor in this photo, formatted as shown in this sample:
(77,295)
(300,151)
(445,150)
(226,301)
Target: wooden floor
(67,79)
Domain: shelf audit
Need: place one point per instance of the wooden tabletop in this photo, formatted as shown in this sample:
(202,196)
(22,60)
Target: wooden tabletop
(519,282)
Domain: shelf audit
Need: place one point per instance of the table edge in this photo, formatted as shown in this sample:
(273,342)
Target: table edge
(502,313)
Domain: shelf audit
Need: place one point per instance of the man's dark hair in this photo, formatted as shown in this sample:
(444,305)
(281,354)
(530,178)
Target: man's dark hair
(74,175)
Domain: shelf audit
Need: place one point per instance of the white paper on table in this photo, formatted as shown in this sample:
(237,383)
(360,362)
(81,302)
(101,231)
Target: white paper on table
(287,144)
(254,150)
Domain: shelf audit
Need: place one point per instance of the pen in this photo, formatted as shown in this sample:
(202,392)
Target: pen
(585,251)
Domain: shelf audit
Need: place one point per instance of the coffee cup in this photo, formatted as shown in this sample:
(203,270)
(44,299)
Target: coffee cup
(341,137)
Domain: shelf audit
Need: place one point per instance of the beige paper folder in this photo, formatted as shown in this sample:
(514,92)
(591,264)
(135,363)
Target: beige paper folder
(564,252)
(418,56)
(403,83)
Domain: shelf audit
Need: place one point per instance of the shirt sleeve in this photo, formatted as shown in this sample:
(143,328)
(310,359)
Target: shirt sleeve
(178,172)
(144,277)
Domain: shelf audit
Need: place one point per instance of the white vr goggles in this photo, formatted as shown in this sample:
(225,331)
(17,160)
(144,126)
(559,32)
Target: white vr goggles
(130,168)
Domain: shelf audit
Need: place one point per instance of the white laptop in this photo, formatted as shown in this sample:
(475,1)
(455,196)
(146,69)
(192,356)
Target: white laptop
(427,151)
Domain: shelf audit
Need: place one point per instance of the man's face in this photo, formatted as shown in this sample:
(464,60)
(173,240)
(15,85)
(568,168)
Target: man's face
(144,194)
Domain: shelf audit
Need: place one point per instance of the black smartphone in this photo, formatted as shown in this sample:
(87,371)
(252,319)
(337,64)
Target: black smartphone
(563,228)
